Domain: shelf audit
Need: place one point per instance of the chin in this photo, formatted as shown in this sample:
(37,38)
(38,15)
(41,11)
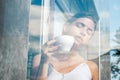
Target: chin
(77,46)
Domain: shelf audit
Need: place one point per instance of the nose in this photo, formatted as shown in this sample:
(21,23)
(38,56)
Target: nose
(83,32)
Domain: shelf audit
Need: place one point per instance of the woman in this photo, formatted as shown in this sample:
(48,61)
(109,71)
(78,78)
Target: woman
(70,66)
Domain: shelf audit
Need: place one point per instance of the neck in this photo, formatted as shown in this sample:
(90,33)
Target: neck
(67,65)
(64,59)
(65,56)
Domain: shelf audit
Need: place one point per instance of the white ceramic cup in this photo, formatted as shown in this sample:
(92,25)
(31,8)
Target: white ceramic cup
(65,42)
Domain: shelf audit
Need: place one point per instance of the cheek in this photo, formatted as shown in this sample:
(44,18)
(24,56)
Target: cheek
(72,31)
(75,30)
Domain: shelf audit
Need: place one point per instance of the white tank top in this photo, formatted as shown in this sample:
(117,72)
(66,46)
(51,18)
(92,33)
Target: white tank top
(81,72)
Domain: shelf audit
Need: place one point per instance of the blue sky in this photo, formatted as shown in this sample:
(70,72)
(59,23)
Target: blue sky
(114,18)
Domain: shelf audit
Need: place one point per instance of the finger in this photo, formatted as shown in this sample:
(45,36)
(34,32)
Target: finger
(50,49)
(54,48)
(51,42)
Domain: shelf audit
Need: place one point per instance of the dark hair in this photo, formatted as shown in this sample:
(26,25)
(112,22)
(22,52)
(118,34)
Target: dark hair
(84,15)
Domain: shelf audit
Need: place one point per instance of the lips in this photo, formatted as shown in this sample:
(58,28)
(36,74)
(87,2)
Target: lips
(78,38)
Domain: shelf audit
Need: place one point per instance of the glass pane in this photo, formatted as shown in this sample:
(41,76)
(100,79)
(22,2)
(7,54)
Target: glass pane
(103,11)
(68,34)
(34,38)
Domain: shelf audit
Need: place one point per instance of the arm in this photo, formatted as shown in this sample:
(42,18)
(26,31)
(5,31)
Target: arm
(94,70)
(39,69)
(40,62)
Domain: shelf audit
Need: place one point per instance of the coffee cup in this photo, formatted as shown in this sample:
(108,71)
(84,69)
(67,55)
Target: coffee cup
(65,43)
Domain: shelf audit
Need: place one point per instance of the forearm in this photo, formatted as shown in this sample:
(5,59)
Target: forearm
(39,68)
(43,78)
(43,69)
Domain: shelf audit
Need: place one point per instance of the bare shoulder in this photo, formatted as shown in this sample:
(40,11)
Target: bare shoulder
(36,61)
(94,69)
(92,65)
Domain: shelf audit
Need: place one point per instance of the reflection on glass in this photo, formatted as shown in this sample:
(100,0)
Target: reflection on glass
(66,49)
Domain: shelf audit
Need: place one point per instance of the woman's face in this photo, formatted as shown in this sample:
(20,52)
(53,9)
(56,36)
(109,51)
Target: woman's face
(82,29)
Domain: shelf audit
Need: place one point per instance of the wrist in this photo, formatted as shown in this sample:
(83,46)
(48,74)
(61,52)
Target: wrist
(44,58)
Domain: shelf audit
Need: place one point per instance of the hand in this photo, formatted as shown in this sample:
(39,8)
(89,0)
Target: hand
(48,49)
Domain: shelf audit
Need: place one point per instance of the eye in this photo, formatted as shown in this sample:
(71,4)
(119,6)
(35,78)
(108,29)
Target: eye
(90,31)
(79,25)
